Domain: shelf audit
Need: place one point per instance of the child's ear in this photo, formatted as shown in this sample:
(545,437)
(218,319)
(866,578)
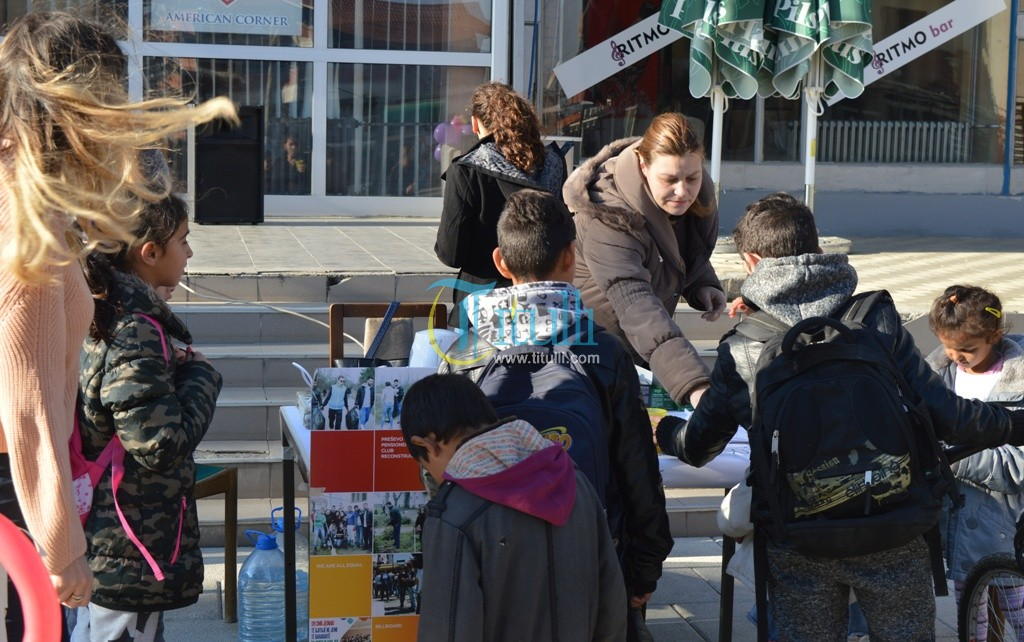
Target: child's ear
(750,260)
(428,443)
(499,263)
(148,253)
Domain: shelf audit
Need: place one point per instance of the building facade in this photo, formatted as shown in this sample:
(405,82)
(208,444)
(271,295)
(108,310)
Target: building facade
(364,101)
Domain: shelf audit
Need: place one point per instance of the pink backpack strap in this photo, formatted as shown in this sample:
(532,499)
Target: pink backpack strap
(160,330)
(113,454)
(116,476)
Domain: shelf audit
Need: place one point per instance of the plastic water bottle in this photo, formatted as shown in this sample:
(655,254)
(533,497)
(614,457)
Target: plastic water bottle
(261,594)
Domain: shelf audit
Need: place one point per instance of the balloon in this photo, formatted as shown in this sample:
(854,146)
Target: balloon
(453,135)
(458,120)
(38,598)
(440,132)
(467,130)
(437,153)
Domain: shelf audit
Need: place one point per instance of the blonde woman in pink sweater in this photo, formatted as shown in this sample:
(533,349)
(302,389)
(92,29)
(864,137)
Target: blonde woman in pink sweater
(70,179)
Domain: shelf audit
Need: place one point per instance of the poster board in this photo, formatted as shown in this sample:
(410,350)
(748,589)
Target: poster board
(367,506)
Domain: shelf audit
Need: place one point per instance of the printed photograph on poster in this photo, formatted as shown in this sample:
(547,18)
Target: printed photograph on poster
(342,524)
(398,521)
(344,398)
(390,389)
(340,629)
(396,583)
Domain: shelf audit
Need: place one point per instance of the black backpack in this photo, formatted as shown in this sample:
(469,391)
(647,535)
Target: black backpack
(844,458)
(548,386)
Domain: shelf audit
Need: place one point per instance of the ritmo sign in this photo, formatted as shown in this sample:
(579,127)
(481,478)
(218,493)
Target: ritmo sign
(621,50)
(926,34)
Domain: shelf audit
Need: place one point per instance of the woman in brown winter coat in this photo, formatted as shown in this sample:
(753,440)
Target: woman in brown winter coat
(646,224)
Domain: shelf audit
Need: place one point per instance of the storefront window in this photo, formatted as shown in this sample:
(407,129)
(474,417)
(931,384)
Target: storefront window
(624,104)
(392,129)
(283,89)
(412,25)
(113,13)
(944,107)
(282,23)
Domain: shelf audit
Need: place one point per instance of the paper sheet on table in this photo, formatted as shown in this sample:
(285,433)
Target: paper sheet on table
(724,471)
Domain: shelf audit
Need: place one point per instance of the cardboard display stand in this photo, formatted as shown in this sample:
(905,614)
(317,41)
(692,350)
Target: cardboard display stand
(367,505)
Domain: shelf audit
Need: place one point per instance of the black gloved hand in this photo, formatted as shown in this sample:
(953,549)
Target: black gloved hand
(669,435)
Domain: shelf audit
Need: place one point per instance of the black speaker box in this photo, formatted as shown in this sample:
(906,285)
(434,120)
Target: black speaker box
(229,170)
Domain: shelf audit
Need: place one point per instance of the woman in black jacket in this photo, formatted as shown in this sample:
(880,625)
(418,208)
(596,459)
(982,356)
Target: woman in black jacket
(509,157)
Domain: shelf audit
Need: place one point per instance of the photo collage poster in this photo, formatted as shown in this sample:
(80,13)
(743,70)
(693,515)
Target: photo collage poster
(367,506)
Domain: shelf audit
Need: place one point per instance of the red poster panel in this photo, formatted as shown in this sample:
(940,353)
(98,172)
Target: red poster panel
(342,461)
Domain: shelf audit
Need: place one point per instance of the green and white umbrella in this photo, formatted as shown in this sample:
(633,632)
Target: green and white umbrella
(727,53)
(821,47)
(741,48)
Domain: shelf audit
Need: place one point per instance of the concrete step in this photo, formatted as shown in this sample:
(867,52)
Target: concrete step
(325,287)
(258,463)
(252,514)
(691,511)
(266,364)
(219,323)
(250,413)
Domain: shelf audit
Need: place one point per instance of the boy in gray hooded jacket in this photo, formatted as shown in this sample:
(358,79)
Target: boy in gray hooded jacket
(515,543)
(791,279)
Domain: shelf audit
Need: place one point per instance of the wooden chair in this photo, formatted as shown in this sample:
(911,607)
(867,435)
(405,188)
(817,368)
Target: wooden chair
(338,312)
(214,480)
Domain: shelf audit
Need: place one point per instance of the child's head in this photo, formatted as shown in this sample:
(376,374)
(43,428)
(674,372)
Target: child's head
(968,321)
(158,256)
(535,238)
(775,226)
(161,250)
(439,412)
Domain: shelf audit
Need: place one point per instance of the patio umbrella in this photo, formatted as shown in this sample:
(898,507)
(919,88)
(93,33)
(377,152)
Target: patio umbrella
(728,51)
(821,46)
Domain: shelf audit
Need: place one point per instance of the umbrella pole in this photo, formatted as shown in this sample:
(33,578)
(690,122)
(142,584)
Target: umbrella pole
(718,106)
(812,97)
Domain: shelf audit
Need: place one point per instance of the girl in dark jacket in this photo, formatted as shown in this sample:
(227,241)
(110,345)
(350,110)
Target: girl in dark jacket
(509,157)
(157,400)
(646,224)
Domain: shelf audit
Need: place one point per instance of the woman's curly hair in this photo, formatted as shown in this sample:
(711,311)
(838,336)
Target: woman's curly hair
(513,123)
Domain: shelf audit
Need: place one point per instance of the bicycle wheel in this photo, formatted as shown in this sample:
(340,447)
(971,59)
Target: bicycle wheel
(992,605)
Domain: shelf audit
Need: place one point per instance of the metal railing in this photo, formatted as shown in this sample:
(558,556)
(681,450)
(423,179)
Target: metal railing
(894,141)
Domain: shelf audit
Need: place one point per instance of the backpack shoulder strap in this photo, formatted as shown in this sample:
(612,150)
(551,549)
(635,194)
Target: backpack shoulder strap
(761,327)
(160,330)
(860,305)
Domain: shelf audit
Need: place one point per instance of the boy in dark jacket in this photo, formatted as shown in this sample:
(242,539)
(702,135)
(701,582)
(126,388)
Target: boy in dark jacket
(515,543)
(791,279)
(536,251)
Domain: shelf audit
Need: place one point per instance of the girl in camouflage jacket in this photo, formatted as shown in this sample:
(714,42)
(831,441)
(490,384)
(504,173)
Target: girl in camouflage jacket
(159,401)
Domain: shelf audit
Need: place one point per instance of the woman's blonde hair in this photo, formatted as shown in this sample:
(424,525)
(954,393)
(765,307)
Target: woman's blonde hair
(513,123)
(70,141)
(670,134)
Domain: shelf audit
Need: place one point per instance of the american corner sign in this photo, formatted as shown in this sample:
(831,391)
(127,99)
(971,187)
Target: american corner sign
(255,17)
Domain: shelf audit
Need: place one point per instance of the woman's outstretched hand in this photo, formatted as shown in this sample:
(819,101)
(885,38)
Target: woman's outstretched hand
(713,301)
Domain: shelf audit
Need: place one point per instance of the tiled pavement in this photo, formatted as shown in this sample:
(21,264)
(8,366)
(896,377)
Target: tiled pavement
(684,608)
(914,269)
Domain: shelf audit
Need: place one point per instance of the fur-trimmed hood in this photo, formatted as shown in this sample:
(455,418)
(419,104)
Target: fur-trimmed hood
(600,189)
(609,208)
(1009,386)
(487,158)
